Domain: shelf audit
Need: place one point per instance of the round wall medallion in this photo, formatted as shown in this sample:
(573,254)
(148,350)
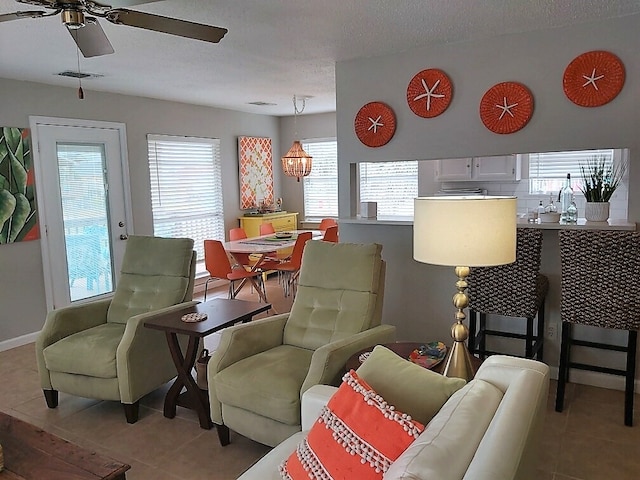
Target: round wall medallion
(429,93)
(506,107)
(593,78)
(375,124)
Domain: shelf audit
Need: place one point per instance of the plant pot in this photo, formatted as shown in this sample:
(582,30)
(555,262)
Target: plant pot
(596,211)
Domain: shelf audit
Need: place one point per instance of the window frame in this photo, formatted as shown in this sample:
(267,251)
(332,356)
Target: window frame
(317,212)
(211,208)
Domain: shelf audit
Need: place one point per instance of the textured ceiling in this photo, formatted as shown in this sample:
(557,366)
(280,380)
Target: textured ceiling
(274,48)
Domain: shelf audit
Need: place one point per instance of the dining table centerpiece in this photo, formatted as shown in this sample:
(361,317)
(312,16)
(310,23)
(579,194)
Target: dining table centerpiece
(600,179)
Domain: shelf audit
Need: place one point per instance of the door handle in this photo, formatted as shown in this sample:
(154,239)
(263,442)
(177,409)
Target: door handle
(124,236)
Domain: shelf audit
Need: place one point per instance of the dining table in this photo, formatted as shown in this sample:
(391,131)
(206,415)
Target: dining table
(264,245)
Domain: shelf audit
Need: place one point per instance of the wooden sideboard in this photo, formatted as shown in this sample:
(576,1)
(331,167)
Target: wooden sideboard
(281,221)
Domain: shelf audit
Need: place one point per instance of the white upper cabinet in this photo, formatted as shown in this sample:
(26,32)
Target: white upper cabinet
(505,168)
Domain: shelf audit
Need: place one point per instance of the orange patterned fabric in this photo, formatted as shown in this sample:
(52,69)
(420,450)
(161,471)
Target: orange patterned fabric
(358,435)
(256,171)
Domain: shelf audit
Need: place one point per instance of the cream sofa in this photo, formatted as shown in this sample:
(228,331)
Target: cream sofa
(488,430)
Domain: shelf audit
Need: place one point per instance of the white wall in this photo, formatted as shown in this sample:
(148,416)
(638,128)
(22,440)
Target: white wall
(418,297)
(22,298)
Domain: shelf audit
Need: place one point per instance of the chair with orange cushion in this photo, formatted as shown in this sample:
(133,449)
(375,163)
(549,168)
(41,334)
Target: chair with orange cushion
(291,268)
(331,234)
(217,263)
(326,223)
(243,259)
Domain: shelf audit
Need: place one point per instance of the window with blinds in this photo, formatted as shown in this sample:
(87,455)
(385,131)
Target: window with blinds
(321,185)
(548,171)
(393,185)
(186,188)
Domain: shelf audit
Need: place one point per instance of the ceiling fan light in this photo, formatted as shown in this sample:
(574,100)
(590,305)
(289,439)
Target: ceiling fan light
(297,163)
(73,19)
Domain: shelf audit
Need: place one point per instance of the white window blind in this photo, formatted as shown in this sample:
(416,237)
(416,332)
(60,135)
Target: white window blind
(393,185)
(548,171)
(186,188)
(321,185)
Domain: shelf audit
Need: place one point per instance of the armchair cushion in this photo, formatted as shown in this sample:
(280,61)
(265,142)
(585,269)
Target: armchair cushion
(267,383)
(95,346)
(411,388)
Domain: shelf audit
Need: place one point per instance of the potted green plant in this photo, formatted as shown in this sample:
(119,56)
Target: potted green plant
(600,178)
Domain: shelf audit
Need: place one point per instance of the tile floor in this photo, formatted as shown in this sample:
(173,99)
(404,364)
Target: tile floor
(588,441)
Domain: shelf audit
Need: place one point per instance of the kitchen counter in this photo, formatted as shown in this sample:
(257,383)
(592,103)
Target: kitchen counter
(582,224)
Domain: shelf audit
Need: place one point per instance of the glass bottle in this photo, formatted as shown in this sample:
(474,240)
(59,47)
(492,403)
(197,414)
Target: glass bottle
(572,212)
(566,197)
(540,208)
(551,207)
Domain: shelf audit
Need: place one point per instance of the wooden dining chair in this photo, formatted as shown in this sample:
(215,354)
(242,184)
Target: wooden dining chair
(217,263)
(290,269)
(326,223)
(331,234)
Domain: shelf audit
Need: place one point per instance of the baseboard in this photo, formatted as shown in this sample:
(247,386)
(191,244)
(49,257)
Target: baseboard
(18,341)
(595,379)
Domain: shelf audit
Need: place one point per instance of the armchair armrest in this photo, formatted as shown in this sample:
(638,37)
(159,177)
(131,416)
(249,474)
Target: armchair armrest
(143,356)
(327,362)
(238,342)
(66,321)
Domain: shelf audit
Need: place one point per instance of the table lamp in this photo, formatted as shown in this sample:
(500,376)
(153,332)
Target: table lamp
(463,232)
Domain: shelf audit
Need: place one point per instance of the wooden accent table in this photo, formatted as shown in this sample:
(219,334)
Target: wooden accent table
(403,349)
(30,453)
(221,313)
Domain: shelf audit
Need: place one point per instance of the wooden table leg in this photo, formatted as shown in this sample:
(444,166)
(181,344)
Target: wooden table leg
(184,365)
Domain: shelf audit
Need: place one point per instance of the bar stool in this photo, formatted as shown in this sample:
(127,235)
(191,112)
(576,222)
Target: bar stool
(514,290)
(599,272)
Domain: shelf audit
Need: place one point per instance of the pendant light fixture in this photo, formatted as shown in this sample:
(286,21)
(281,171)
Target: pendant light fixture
(297,162)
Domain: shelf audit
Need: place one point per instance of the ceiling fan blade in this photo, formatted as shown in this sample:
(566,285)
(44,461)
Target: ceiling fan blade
(172,26)
(91,40)
(7,17)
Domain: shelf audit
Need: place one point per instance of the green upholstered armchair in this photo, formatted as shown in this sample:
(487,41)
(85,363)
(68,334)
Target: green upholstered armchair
(260,370)
(102,349)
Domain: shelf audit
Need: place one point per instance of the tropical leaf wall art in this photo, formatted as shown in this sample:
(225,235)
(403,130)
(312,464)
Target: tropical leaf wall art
(18,218)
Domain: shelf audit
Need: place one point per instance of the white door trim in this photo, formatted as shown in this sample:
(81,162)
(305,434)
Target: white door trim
(34,123)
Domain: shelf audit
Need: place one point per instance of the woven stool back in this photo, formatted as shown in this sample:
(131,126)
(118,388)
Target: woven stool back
(599,272)
(513,290)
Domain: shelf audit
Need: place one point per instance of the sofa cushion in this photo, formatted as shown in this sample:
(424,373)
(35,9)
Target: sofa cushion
(90,352)
(267,383)
(448,445)
(358,435)
(409,387)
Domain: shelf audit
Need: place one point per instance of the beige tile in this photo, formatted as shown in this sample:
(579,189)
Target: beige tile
(591,458)
(204,458)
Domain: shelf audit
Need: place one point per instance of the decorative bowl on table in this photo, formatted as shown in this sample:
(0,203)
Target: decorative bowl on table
(284,235)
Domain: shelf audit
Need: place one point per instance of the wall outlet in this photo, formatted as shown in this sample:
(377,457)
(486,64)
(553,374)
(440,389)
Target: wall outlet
(551,331)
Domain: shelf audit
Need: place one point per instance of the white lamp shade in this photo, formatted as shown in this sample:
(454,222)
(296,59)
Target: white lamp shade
(478,231)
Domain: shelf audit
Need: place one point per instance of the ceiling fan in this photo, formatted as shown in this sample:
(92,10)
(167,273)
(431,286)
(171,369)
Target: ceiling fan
(79,16)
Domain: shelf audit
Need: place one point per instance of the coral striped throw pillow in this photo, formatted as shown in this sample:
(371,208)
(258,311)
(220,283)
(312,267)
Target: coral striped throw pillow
(357,436)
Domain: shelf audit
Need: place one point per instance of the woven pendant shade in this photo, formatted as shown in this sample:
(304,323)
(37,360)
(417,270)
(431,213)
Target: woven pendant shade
(297,162)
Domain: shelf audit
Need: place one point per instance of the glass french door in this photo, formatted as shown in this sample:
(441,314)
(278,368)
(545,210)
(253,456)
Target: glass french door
(79,167)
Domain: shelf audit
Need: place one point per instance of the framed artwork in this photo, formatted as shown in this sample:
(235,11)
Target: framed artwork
(506,107)
(18,214)
(375,124)
(429,93)
(593,78)
(256,171)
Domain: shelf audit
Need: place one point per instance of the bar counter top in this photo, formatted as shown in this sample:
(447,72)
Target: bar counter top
(581,224)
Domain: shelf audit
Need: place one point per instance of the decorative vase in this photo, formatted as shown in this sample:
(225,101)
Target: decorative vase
(596,211)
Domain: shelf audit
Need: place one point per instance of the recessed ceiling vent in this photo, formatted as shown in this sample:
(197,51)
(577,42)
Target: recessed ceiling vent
(69,73)
(262,104)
